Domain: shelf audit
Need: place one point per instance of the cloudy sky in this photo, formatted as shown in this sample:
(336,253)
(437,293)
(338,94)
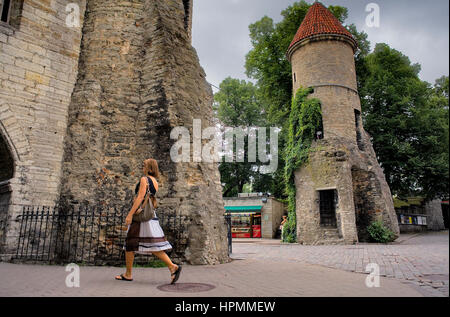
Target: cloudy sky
(417,28)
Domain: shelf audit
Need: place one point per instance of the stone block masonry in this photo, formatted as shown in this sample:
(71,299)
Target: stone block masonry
(82,107)
(38,68)
(362,192)
(139,78)
(435,219)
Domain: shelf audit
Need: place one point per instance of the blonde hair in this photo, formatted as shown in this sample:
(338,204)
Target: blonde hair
(151,169)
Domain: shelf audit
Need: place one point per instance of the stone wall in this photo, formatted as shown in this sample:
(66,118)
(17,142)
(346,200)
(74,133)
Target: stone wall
(363,194)
(435,219)
(328,169)
(278,210)
(139,78)
(314,65)
(38,68)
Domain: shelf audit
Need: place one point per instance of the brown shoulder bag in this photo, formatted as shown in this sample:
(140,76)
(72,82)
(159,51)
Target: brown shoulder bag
(146,211)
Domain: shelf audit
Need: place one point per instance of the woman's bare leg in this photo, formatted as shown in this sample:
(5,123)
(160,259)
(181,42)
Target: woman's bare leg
(129,259)
(165,258)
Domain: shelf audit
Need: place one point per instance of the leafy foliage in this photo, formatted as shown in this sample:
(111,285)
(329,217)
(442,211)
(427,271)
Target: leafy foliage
(237,105)
(304,121)
(379,233)
(408,122)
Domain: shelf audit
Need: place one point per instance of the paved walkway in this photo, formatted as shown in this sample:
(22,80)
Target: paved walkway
(260,270)
(422,259)
(245,278)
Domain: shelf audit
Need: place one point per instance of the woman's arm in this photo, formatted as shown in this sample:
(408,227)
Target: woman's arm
(140,197)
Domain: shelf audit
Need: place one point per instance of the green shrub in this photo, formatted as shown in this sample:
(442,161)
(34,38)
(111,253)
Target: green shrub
(379,233)
(154,263)
(289,231)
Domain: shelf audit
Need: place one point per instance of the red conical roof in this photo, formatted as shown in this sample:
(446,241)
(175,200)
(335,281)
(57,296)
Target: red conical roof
(319,20)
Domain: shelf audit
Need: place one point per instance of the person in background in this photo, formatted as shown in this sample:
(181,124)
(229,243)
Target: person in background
(282,225)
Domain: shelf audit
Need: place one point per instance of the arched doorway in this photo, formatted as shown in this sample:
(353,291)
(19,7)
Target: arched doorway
(6,173)
(6,161)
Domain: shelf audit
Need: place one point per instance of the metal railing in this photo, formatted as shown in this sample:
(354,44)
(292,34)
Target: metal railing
(229,234)
(3,225)
(87,235)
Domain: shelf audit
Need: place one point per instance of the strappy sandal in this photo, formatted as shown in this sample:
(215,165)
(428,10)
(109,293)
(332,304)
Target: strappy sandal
(123,278)
(177,274)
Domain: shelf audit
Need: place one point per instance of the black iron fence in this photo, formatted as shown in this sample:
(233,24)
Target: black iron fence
(229,236)
(87,235)
(3,223)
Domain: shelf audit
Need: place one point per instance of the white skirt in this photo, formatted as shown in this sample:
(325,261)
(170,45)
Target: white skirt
(146,237)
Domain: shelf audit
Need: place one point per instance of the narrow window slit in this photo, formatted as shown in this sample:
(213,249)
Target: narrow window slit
(11,12)
(5,10)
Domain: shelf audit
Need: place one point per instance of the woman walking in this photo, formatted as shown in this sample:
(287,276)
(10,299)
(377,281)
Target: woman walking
(146,237)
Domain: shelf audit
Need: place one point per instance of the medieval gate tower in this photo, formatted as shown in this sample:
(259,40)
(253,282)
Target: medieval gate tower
(342,188)
(82,105)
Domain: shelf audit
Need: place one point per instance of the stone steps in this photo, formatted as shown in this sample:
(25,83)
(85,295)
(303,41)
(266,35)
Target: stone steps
(331,242)
(330,233)
(330,236)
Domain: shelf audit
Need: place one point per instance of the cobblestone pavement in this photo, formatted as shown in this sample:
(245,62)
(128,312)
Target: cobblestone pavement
(421,259)
(418,266)
(240,278)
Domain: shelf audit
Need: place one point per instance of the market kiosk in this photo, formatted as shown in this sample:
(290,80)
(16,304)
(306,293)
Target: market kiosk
(245,221)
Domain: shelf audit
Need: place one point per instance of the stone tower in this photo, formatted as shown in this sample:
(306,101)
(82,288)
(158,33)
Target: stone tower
(139,78)
(342,189)
(82,105)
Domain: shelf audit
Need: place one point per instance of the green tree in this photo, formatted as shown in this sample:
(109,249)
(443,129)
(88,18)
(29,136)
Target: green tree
(237,105)
(408,122)
(441,90)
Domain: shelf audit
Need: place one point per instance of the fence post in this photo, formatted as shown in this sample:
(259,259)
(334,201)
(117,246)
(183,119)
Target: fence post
(229,235)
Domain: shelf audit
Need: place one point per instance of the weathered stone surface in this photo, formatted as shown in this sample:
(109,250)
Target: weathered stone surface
(38,69)
(139,78)
(363,194)
(435,219)
(329,67)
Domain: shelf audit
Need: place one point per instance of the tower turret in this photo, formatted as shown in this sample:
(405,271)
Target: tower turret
(322,56)
(342,188)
